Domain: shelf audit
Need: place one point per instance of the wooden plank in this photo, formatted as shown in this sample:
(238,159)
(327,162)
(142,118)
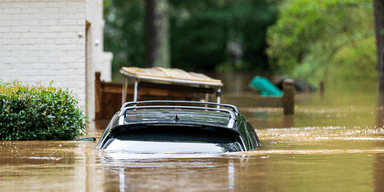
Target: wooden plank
(322,88)
(111,99)
(125,87)
(288,97)
(150,89)
(113,88)
(176,88)
(98,93)
(161,93)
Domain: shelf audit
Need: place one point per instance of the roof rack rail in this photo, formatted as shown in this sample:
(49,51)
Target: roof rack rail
(122,111)
(234,108)
(231,113)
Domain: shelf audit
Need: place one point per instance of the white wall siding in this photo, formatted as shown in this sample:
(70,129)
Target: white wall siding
(39,41)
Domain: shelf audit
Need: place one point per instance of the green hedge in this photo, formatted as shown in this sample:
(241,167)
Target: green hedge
(39,113)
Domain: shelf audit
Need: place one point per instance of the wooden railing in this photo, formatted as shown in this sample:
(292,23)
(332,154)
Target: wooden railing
(108,97)
(287,101)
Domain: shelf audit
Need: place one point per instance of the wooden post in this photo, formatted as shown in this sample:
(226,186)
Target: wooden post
(322,88)
(378,9)
(98,92)
(289,97)
(289,121)
(124,92)
(380,117)
(308,89)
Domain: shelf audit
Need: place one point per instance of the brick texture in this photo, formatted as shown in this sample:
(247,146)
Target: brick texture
(39,41)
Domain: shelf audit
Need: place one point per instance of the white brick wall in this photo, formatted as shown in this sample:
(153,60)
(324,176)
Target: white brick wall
(39,41)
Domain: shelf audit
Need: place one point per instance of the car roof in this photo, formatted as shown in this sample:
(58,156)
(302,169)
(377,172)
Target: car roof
(172,119)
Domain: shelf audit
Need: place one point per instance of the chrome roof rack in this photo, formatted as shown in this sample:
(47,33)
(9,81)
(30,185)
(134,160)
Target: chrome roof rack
(232,114)
(234,108)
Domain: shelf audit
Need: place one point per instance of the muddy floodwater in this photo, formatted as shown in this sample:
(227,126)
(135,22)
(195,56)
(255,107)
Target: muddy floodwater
(335,143)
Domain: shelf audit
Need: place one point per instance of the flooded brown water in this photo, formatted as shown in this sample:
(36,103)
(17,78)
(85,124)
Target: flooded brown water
(331,144)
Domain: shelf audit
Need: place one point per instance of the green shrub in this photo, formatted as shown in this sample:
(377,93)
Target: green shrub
(39,113)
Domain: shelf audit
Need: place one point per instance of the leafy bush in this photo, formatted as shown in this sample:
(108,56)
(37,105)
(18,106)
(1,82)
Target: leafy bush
(39,113)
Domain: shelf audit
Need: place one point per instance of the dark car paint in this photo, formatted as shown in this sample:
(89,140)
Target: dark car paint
(244,136)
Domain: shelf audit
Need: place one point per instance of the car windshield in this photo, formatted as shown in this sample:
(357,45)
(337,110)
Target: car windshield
(194,134)
(196,139)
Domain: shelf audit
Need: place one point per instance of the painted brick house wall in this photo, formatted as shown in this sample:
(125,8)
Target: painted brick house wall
(40,42)
(45,40)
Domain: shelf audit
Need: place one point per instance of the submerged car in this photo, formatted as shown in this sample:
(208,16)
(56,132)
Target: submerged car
(163,126)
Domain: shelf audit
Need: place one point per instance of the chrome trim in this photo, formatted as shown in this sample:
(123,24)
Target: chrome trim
(121,120)
(136,89)
(231,123)
(218,97)
(122,111)
(234,108)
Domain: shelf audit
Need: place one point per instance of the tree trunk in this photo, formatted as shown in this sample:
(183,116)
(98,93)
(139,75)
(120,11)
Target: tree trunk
(378,6)
(157,40)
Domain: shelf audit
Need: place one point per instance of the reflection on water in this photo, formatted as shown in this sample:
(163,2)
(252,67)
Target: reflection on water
(328,145)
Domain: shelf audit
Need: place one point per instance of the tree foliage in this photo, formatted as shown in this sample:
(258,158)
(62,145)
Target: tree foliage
(201,38)
(124,33)
(309,34)
(200,32)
